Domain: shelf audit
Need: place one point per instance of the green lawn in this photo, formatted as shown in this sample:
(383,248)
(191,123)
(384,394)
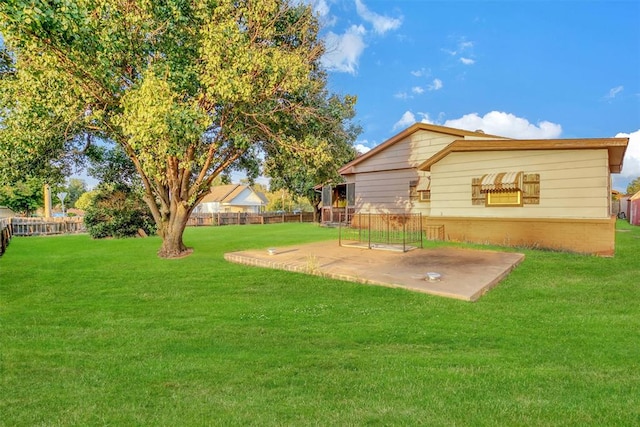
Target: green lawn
(105,333)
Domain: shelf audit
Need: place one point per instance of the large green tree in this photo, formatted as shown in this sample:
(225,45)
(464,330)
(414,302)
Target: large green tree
(298,173)
(74,189)
(22,197)
(634,186)
(111,165)
(188,89)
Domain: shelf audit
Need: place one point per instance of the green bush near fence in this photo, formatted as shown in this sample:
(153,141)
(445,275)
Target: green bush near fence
(103,332)
(117,211)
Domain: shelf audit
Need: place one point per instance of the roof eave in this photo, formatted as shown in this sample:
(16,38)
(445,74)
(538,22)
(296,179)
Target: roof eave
(616,148)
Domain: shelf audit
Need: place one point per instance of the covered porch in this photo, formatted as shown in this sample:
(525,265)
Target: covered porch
(337,202)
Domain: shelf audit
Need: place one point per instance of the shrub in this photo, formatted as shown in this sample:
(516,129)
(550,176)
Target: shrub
(117,211)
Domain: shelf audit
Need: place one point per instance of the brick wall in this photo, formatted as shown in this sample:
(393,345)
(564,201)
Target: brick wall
(588,236)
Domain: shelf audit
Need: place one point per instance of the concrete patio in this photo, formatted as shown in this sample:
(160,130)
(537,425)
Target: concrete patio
(464,274)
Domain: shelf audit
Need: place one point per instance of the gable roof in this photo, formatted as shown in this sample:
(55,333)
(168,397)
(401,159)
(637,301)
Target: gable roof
(227,193)
(262,197)
(615,146)
(220,193)
(635,196)
(409,131)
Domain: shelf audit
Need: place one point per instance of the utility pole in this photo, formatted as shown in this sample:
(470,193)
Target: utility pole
(47,201)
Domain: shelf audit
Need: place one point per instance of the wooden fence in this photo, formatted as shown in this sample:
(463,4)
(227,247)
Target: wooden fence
(5,234)
(46,226)
(243,218)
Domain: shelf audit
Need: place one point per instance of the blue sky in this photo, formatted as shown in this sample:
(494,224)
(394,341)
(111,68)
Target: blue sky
(522,69)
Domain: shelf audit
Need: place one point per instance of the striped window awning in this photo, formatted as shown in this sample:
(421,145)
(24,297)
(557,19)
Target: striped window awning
(502,181)
(424,183)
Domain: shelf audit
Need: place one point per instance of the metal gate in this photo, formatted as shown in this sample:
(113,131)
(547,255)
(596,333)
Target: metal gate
(396,231)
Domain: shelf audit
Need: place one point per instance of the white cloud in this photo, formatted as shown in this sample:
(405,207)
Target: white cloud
(343,51)
(613,92)
(321,8)
(407,119)
(362,147)
(631,163)
(402,95)
(421,72)
(467,61)
(417,89)
(463,45)
(435,85)
(506,124)
(381,24)
(425,118)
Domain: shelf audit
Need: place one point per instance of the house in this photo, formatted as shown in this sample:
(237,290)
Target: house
(484,188)
(232,198)
(634,209)
(5,212)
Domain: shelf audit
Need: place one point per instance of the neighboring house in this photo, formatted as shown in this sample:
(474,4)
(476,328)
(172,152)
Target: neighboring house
(634,209)
(75,212)
(5,212)
(489,189)
(232,198)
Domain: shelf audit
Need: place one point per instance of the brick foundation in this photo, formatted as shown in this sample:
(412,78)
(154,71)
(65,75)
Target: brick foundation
(588,236)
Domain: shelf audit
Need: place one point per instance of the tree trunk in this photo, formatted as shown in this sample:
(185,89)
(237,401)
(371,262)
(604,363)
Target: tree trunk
(171,231)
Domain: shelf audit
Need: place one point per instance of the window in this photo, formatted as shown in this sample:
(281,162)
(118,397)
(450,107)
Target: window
(506,189)
(413,190)
(351,194)
(504,198)
(420,189)
(424,189)
(327,198)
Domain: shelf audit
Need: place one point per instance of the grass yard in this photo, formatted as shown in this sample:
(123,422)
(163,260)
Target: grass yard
(105,333)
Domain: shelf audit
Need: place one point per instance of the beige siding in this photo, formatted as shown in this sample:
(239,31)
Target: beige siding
(408,153)
(573,183)
(388,191)
(6,212)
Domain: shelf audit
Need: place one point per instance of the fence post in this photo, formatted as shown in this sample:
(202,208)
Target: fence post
(340,233)
(388,227)
(404,235)
(369,229)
